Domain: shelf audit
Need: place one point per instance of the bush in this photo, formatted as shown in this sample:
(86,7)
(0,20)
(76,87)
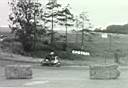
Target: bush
(13,46)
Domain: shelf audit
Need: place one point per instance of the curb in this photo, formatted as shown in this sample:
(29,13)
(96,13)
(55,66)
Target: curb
(26,61)
(11,57)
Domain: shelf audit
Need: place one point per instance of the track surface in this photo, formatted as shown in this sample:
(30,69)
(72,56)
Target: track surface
(62,77)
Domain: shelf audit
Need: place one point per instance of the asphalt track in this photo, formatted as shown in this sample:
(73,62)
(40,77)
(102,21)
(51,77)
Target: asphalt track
(61,77)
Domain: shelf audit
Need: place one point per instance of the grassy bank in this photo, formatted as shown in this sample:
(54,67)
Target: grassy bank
(98,47)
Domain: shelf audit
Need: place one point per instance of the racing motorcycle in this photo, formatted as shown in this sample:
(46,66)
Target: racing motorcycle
(51,62)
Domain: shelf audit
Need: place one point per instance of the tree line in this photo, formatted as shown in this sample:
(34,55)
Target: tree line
(29,21)
(119,29)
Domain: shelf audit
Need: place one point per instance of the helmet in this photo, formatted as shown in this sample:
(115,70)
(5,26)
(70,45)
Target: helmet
(52,53)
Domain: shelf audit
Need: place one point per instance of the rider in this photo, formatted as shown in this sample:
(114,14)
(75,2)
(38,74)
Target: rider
(50,56)
(52,59)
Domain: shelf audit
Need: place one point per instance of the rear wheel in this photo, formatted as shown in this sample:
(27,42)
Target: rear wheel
(41,63)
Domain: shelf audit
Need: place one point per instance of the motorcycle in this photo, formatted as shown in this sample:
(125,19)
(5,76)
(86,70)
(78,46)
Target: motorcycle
(53,62)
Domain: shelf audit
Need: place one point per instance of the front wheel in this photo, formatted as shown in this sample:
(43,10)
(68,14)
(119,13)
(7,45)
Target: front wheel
(44,62)
(58,64)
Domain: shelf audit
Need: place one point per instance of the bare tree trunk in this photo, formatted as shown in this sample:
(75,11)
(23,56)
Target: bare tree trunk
(34,29)
(76,38)
(66,33)
(82,40)
(52,34)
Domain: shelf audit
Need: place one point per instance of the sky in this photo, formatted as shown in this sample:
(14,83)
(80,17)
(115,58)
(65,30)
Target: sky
(101,12)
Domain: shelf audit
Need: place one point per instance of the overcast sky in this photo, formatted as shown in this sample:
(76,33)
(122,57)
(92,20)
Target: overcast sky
(101,12)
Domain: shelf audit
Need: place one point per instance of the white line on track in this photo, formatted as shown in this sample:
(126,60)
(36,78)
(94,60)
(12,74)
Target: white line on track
(35,83)
(10,87)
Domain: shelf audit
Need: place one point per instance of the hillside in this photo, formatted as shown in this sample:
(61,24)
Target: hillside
(98,46)
(4,29)
(120,29)
(101,46)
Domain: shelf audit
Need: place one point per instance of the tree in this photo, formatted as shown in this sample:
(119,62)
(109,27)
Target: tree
(50,15)
(65,18)
(84,24)
(121,29)
(24,18)
(76,35)
(77,26)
